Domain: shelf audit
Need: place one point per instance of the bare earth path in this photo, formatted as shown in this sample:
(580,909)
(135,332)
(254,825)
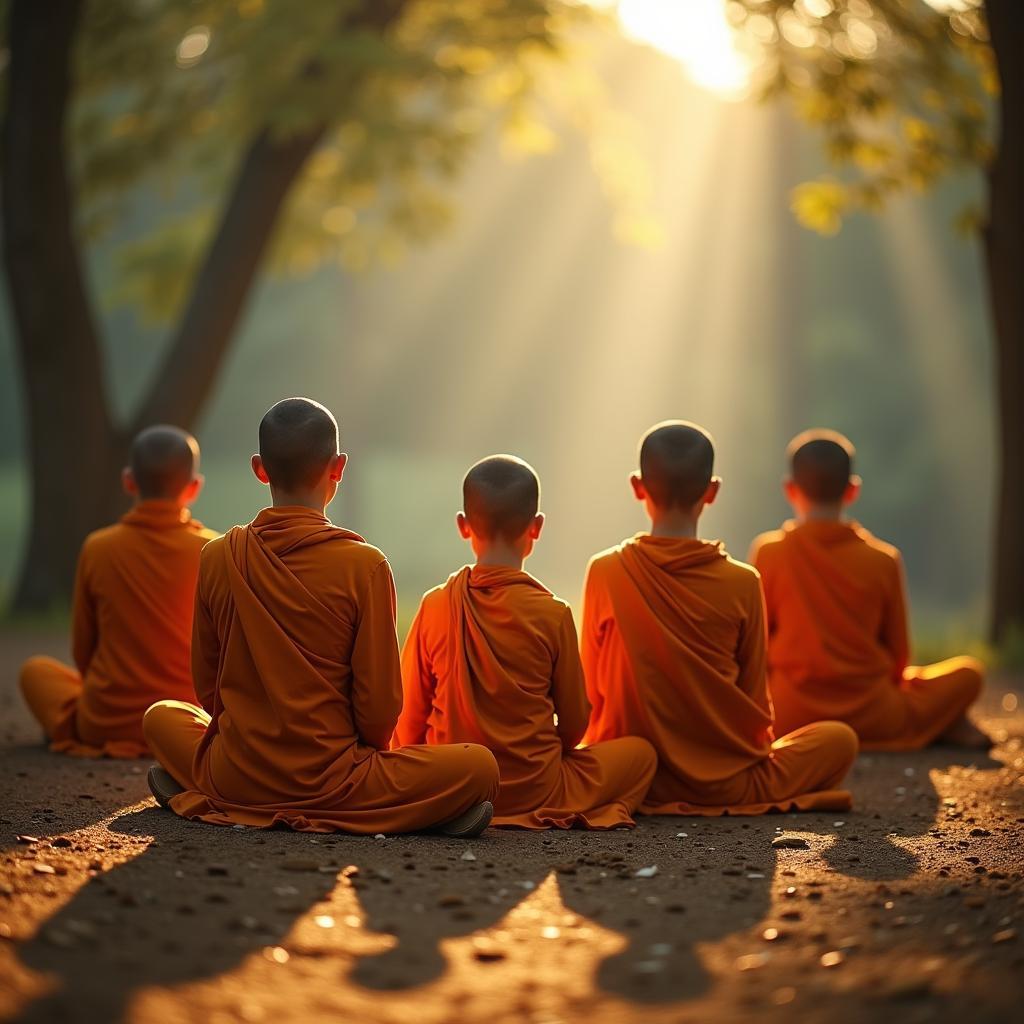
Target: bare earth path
(910,907)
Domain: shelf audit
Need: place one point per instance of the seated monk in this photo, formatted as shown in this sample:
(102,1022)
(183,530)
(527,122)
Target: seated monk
(492,658)
(837,620)
(674,650)
(131,618)
(296,665)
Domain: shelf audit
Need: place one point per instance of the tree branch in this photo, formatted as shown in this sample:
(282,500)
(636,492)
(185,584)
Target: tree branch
(267,172)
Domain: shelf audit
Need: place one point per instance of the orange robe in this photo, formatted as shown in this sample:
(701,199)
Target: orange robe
(130,634)
(838,641)
(674,650)
(296,664)
(492,657)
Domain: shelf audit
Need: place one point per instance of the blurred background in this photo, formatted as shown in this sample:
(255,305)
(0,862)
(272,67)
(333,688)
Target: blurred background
(596,274)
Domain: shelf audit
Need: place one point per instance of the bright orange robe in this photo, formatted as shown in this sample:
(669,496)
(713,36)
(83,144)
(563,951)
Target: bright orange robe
(296,662)
(674,650)
(492,657)
(838,639)
(130,634)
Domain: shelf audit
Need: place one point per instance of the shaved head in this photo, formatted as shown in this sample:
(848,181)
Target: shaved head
(677,460)
(500,496)
(298,437)
(821,464)
(163,461)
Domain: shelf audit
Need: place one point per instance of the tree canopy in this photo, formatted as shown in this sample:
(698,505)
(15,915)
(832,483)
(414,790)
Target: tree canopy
(168,95)
(901,91)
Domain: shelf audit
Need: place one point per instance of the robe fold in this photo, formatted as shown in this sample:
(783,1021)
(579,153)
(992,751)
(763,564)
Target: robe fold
(673,645)
(296,662)
(131,633)
(492,657)
(838,641)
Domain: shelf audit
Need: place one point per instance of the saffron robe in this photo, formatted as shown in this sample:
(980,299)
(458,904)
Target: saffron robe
(131,631)
(838,642)
(492,657)
(673,644)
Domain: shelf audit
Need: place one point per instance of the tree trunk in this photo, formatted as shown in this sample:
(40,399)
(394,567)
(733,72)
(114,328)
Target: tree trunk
(1004,255)
(189,371)
(71,439)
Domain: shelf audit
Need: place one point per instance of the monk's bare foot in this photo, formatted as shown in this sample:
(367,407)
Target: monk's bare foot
(470,824)
(162,786)
(964,733)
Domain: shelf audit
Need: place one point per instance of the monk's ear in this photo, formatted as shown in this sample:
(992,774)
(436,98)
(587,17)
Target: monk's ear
(536,525)
(336,470)
(259,470)
(128,484)
(790,490)
(192,489)
(852,492)
(463,525)
(636,481)
(712,492)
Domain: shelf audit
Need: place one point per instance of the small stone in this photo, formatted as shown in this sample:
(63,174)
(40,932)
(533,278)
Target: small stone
(648,872)
(790,843)
(488,954)
(648,966)
(380,835)
(27,840)
(751,962)
(60,841)
(833,958)
(468,855)
(62,940)
(1006,935)
(43,869)
(980,832)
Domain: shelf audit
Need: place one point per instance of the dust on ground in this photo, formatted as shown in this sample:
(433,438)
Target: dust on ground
(911,906)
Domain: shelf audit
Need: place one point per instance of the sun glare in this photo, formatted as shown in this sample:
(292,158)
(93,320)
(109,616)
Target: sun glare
(697,34)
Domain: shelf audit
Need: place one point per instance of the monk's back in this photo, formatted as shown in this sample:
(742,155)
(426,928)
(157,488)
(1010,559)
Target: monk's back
(139,579)
(673,639)
(699,597)
(511,631)
(282,601)
(832,591)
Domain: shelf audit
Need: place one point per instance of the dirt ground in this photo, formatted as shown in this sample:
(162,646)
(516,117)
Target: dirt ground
(911,906)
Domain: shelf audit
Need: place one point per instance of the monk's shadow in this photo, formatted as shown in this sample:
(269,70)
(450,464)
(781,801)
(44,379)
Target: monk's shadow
(48,794)
(895,799)
(715,878)
(194,904)
(422,891)
(707,885)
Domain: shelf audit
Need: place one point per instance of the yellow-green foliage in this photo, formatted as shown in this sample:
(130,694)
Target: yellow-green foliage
(169,95)
(900,90)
